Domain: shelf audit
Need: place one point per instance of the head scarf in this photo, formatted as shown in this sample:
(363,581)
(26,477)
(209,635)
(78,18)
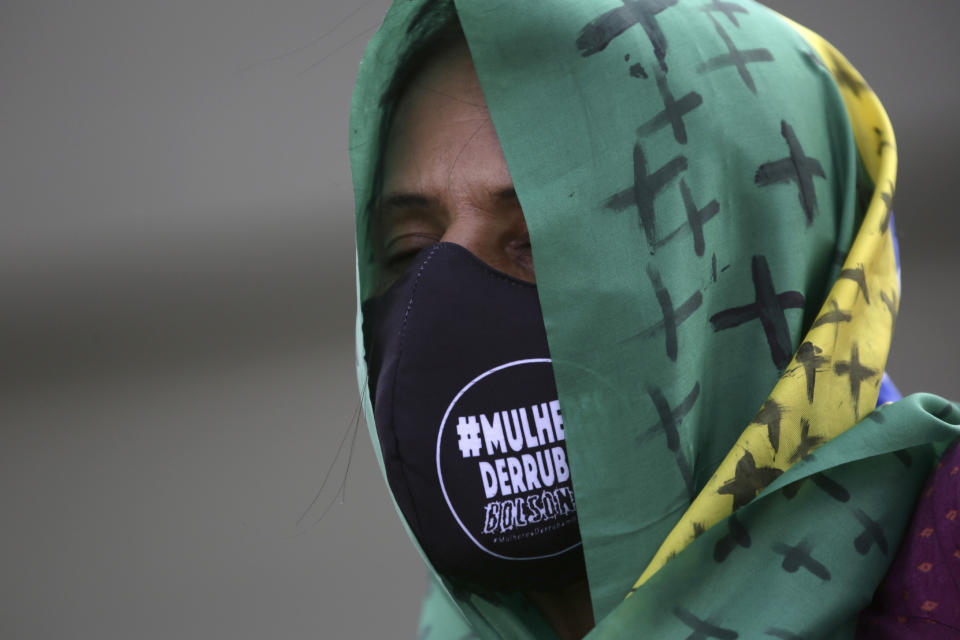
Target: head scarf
(708,189)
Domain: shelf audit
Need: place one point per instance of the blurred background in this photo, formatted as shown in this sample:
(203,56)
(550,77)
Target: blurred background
(176,272)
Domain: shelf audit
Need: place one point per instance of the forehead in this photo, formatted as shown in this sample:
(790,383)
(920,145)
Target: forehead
(442,127)
(450,71)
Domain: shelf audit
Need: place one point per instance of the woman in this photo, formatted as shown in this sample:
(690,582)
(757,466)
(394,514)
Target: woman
(665,429)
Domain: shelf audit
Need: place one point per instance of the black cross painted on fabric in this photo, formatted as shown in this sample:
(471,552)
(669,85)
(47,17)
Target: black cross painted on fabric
(769,307)
(783,634)
(846,79)
(891,303)
(857,373)
(831,487)
(823,482)
(944,412)
(836,316)
(807,443)
(904,457)
(644,191)
(798,557)
(669,423)
(872,535)
(797,167)
(673,112)
(814,57)
(738,536)
(672,317)
(702,629)
(734,57)
(748,480)
(881,142)
(599,33)
(669,419)
(769,415)
(808,356)
(637,71)
(860,277)
(696,218)
(888,205)
(728,9)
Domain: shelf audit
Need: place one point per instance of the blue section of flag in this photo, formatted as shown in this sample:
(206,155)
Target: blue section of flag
(888,391)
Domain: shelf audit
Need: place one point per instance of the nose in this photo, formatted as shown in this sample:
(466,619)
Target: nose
(498,238)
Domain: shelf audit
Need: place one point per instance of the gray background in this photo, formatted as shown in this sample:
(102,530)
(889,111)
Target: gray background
(176,275)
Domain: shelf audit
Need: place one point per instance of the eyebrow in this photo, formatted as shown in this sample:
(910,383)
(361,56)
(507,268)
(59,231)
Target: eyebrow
(403,201)
(413,200)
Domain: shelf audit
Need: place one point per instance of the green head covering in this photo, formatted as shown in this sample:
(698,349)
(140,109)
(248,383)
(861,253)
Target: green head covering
(707,188)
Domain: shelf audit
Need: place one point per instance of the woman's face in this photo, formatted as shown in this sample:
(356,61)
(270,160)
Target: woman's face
(445,177)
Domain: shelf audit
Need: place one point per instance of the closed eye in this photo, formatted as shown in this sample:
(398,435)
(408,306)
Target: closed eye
(401,250)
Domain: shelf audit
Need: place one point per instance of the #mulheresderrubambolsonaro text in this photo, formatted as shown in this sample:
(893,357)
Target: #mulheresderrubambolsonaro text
(522,483)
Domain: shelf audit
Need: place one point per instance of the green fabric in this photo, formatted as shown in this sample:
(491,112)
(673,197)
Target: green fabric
(574,129)
(804,605)
(606,366)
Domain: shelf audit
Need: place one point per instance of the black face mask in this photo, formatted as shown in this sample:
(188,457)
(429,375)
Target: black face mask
(469,424)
